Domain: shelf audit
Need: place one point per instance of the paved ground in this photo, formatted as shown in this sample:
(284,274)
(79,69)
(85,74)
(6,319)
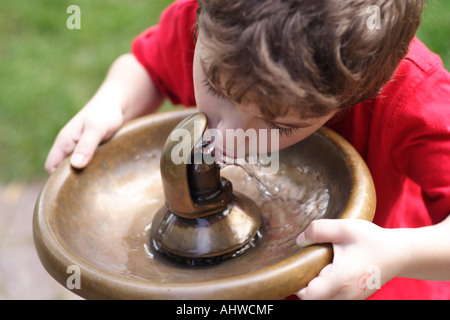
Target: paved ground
(21,273)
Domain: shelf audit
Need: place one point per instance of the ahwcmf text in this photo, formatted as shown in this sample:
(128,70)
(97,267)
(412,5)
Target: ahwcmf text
(226,309)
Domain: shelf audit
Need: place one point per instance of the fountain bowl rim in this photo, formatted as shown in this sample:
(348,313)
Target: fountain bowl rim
(275,281)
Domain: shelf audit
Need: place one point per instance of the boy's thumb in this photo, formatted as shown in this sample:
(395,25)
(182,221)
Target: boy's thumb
(322,231)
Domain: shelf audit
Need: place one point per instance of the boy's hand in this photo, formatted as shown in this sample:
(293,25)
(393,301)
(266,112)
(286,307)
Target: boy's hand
(362,252)
(127,93)
(94,124)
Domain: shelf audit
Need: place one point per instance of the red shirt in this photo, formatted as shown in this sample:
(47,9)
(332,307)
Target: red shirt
(403,135)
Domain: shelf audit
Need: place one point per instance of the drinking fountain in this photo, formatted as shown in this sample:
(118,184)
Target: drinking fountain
(135,225)
(203,221)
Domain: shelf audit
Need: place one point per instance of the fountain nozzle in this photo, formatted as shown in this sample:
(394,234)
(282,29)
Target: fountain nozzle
(203,221)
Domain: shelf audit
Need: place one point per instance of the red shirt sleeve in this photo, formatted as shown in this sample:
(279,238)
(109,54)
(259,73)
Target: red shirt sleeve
(421,138)
(167,51)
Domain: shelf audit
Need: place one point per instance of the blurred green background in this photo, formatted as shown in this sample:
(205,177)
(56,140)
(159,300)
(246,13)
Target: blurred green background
(48,72)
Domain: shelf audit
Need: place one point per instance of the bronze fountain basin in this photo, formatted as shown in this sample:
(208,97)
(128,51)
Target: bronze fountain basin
(99,220)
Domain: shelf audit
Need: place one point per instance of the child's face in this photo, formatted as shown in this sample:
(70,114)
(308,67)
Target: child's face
(222,113)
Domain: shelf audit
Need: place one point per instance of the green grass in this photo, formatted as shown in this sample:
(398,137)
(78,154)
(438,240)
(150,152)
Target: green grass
(435,28)
(48,72)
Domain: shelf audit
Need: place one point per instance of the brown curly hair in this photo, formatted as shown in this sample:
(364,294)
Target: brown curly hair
(311,55)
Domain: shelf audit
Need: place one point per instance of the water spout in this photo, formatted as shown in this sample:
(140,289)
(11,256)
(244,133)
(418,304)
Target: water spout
(203,220)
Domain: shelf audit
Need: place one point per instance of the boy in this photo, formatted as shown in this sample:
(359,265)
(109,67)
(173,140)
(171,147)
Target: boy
(295,65)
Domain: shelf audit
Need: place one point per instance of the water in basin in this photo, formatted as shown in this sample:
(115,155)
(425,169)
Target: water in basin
(293,202)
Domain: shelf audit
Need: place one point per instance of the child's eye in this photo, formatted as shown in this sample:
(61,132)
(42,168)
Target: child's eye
(212,91)
(282,130)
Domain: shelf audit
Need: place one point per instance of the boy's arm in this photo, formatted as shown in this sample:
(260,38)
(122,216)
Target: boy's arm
(429,254)
(126,93)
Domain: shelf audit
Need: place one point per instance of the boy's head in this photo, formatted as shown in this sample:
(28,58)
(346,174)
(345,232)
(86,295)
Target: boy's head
(301,58)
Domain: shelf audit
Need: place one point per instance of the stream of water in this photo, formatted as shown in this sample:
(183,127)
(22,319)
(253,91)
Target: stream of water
(289,200)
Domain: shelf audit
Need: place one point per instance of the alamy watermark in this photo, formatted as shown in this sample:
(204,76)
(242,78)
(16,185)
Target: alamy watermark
(74,280)
(74,20)
(371,279)
(373,22)
(251,146)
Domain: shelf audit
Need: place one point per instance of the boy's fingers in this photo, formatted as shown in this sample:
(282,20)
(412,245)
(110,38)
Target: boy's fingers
(321,287)
(59,151)
(322,231)
(84,150)
(54,158)
(65,143)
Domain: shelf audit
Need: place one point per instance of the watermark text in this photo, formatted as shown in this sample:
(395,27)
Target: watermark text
(74,20)
(74,280)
